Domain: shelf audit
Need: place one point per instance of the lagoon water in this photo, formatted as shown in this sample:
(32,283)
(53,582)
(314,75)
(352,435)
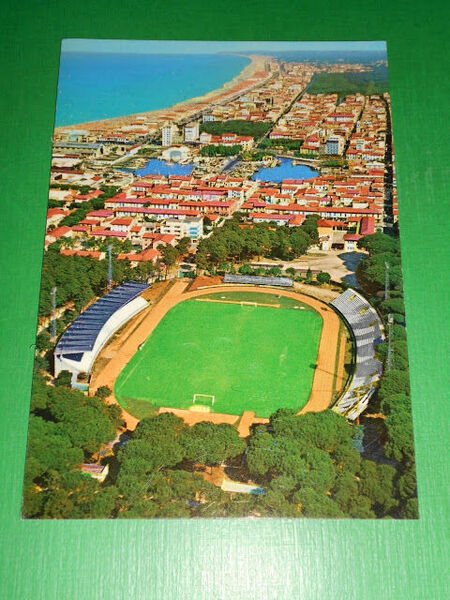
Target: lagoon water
(285,170)
(94,86)
(161,167)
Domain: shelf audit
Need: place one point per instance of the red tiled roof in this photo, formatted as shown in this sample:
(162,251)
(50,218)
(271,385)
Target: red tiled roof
(53,212)
(84,253)
(109,233)
(59,232)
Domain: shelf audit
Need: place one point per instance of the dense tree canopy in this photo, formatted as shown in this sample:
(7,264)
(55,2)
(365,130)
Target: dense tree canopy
(232,243)
(78,279)
(393,394)
(221,150)
(66,428)
(255,129)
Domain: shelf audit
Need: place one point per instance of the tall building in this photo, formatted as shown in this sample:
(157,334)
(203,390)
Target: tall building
(191,131)
(334,145)
(168,133)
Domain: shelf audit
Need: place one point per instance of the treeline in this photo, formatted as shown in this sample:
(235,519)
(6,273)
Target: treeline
(305,466)
(173,254)
(256,129)
(394,392)
(275,271)
(65,429)
(232,243)
(81,209)
(221,150)
(288,144)
(79,280)
(370,82)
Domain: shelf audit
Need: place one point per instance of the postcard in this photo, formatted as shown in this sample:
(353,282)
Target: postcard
(221,327)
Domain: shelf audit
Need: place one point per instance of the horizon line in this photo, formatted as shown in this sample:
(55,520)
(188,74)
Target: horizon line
(117,46)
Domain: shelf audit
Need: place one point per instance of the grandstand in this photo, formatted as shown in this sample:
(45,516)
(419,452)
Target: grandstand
(366,327)
(255,280)
(80,344)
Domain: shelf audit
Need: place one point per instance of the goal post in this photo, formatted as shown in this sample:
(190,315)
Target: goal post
(246,303)
(207,399)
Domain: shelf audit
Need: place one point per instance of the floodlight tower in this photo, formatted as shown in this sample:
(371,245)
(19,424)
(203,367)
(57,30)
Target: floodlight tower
(390,352)
(110,271)
(386,281)
(53,294)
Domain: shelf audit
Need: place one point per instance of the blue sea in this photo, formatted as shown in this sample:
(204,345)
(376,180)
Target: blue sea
(367,57)
(101,86)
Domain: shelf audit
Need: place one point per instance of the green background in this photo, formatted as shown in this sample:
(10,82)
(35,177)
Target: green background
(271,559)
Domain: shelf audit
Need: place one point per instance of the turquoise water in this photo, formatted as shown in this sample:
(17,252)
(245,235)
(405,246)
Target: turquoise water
(161,167)
(285,170)
(95,86)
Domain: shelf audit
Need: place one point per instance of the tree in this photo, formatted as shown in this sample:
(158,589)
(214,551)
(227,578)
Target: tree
(316,505)
(87,422)
(326,430)
(155,445)
(103,392)
(300,241)
(323,277)
(183,245)
(379,243)
(377,484)
(400,444)
(170,255)
(211,444)
(64,379)
(261,455)
(44,341)
(411,509)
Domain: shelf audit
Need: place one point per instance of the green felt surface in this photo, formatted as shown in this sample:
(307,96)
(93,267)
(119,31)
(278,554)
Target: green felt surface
(254,358)
(245,560)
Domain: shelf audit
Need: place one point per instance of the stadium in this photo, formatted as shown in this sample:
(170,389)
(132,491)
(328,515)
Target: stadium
(233,351)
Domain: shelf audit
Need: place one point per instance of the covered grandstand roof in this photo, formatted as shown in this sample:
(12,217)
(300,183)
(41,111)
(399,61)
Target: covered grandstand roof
(255,280)
(81,335)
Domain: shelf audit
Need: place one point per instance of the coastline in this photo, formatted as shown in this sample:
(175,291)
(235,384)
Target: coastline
(181,110)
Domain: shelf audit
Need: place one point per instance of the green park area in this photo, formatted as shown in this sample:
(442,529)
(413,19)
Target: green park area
(257,358)
(374,81)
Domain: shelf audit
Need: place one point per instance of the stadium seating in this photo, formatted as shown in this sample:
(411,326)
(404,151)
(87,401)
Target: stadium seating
(81,335)
(255,280)
(367,330)
(82,341)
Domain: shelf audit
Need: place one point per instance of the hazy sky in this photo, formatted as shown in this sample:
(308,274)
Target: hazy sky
(191,47)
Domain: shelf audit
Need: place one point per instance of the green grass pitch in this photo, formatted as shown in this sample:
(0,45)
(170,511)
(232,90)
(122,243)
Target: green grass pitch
(250,358)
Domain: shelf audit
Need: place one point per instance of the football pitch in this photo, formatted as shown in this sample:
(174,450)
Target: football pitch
(257,358)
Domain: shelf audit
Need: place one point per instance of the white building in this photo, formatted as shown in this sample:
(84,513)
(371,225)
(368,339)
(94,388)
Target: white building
(205,137)
(188,227)
(191,131)
(334,145)
(176,154)
(169,133)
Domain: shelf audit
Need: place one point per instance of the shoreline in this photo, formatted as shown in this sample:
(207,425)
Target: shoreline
(197,103)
